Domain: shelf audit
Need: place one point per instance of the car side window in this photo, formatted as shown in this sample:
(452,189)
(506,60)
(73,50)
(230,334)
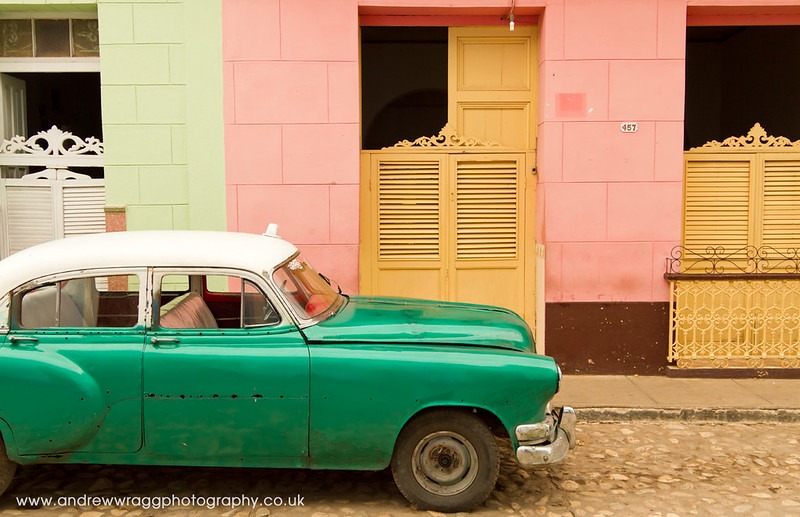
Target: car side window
(213,301)
(256,309)
(97,301)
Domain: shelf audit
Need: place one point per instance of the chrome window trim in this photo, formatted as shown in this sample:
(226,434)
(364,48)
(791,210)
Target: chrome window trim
(5,325)
(138,271)
(158,273)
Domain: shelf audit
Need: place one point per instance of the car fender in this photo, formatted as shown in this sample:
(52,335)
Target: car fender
(486,414)
(363,395)
(8,439)
(60,408)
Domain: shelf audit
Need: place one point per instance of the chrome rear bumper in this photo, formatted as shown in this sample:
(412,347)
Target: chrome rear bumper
(548,441)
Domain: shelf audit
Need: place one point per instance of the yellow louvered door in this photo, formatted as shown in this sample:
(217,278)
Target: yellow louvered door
(487,263)
(717,206)
(780,227)
(742,192)
(445,226)
(471,246)
(408,210)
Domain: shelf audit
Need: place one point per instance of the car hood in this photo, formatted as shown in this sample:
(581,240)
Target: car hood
(407,321)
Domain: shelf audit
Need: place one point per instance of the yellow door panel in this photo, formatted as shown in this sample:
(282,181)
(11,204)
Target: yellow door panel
(492,84)
(488,63)
(411,283)
(505,123)
(501,287)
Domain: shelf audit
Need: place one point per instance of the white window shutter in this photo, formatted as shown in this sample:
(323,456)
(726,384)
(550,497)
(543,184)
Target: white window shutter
(49,205)
(30,216)
(84,208)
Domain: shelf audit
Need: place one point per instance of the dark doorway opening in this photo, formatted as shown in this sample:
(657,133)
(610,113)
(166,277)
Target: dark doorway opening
(737,76)
(403,83)
(70,101)
(67,100)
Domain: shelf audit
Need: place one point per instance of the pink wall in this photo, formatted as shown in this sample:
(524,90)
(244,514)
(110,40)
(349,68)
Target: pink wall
(609,203)
(291,125)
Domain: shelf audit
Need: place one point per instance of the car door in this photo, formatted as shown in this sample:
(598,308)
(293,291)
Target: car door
(72,364)
(226,375)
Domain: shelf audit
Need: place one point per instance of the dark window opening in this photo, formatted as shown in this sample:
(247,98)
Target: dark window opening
(403,83)
(737,76)
(69,101)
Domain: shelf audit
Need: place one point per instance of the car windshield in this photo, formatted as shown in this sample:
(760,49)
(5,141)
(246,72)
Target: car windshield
(308,292)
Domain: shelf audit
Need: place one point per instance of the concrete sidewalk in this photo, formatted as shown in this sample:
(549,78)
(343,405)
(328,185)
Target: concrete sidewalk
(611,398)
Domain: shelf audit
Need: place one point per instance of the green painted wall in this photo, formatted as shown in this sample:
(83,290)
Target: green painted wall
(161,83)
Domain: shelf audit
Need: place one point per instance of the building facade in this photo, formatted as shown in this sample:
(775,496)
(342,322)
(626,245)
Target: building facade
(424,148)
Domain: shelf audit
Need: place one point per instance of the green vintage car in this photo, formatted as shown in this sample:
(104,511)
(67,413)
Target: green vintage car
(228,349)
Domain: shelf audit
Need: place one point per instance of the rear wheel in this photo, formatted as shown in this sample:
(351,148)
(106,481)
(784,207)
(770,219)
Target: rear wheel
(7,468)
(446,461)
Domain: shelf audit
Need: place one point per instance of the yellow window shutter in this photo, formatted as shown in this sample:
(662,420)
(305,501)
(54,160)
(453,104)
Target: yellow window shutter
(781,205)
(486,209)
(717,210)
(408,209)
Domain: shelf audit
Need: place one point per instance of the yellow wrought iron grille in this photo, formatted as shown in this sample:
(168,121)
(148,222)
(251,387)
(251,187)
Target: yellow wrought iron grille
(726,313)
(735,323)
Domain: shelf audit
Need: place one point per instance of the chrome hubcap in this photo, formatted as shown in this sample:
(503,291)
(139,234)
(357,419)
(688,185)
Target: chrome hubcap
(445,463)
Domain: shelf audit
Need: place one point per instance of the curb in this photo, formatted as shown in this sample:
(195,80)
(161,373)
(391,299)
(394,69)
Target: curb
(776,415)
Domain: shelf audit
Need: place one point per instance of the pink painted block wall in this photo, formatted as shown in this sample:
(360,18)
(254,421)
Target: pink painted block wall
(291,87)
(609,202)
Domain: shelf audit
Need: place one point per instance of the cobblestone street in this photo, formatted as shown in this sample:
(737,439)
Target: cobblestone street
(633,468)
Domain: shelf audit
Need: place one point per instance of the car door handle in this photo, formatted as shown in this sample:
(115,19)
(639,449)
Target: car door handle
(23,340)
(167,342)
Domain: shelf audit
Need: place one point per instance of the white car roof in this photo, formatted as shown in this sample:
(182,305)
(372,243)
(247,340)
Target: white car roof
(252,252)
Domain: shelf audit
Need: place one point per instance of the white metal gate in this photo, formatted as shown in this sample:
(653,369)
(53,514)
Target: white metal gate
(55,202)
